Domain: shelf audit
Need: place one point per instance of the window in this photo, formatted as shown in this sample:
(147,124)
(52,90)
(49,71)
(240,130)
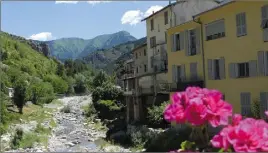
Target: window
(165,36)
(145,68)
(179,73)
(241,28)
(243,70)
(152,42)
(192,42)
(144,52)
(152,24)
(263,103)
(177,41)
(215,30)
(263,63)
(264,13)
(140,53)
(193,71)
(136,55)
(245,99)
(217,69)
(166,17)
(137,69)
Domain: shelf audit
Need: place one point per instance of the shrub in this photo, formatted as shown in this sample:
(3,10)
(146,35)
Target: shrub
(15,143)
(110,104)
(20,89)
(90,110)
(155,113)
(28,140)
(108,92)
(255,109)
(80,84)
(100,79)
(40,92)
(107,109)
(59,85)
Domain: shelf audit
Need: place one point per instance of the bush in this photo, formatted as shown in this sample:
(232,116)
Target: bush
(110,104)
(100,79)
(90,110)
(20,89)
(59,85)
(255,109)
(80,84)
(15,143)
(40,92)
(108,92)
(28,140)
(155,114)
(107,109)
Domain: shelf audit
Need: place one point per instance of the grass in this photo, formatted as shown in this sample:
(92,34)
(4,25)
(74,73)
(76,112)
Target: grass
(28,140)
(56,102)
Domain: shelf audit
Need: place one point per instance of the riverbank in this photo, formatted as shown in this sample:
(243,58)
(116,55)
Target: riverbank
(69,132)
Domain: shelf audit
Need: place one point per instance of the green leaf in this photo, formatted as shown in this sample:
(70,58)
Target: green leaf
(221,150)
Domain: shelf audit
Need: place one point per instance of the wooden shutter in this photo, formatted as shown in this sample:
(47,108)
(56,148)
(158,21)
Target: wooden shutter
(264,15)
(238,25)
(266,63)
(183,77)
(193,71)
(222,68)
(176,73)
(243,24)
(263,103)
(253,68)
(210,69)
(186,43)
(197,35)
(265,35)
(232,70)
(261,66)
(245,102)
(172,42)
(182,40)
(173,73)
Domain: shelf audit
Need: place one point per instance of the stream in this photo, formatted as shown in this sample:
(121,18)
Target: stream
(73,133)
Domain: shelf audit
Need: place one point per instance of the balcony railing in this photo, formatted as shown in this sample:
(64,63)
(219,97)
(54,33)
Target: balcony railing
(180,86)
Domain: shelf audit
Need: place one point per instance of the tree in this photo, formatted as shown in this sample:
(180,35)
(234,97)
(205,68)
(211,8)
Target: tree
(60,70)
(99,79)
(20,89)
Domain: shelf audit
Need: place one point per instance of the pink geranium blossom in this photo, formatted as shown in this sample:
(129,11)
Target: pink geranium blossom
(266,113)
(248,135)
(198,106)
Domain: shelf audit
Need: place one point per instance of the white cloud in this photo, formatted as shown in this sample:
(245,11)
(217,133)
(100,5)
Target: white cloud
(152,9)
(132,17)
(66,2)
(43,36)
(97,2)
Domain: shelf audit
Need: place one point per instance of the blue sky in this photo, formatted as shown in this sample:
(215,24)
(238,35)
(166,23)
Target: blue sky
(51,20)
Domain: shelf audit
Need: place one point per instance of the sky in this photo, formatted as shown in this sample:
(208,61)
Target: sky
(84,19)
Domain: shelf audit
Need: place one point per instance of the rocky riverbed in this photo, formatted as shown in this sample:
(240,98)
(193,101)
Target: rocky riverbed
(73,132)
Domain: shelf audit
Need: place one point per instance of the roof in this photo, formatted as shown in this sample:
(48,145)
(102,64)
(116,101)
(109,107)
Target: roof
(178,1)
(223,3)
(140,46)
(162,9)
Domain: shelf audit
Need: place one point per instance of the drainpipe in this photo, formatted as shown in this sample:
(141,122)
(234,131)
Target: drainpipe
(203,52)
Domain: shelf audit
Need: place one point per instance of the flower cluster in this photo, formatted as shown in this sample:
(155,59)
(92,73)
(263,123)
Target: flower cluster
(248,135)
(198,106)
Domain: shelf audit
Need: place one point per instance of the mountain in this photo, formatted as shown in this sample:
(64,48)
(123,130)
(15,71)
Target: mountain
(107,59)
(74,48)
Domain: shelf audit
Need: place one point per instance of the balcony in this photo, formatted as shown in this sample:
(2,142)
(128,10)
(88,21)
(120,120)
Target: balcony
(129,92)
(181,86)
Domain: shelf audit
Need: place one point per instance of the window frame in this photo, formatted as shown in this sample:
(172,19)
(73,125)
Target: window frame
(246,70)
(166,17)
(144,52)
(190,53)
(239,25)
(152,24)
(216,35)
(178,45)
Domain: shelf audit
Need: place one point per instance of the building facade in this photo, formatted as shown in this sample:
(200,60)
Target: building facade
(233,55)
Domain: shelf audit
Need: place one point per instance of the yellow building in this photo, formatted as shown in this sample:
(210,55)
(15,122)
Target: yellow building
(235,43)
(185,62)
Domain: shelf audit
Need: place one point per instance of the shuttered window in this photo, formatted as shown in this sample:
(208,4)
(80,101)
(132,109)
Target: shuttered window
(264,17)
(241,28)
(152,24)
(152,41)
(177,42)
(216,69)
(192,42)
(245,100)
(166,17)
(215,30)
(243,70)
(193,71)
(263,63)
(263,103)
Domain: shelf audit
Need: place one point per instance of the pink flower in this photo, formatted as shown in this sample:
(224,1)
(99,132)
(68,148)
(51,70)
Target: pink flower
(236,119)
(221,140)
(174,112)
(218,110)
(196,112)
(266,113)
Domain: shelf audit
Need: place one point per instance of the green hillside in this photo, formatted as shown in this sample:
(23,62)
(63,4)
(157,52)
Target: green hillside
(75,48)
(107,58)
